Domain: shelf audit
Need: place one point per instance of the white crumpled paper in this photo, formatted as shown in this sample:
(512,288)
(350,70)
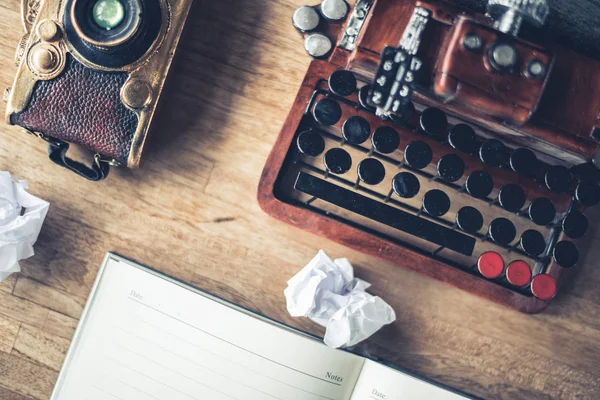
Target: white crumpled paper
(21,219)
(327,292)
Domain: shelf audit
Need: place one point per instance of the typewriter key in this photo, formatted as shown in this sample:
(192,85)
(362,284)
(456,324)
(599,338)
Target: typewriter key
(502,231)
(363,98)
(356,130)
(490,264)
(371,171)
(588,193)
(418,154)
(334,10)
(469,220)
(342,82)
(492,152)
(558,179)
(479,184)
(327,112)
(518,273)
(436,203)
(512,197)
(523,162)
(451,168)
(543,287)
(305,19)
(337,161)
(462,137)
(310,143)
(533,243)
(385,140)
(404,113)
(434,122)
(542,211)
(566,254)
(575,225)
(317,45)
(405,185)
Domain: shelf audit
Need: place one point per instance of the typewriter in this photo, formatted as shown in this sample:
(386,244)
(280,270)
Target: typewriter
(444,141)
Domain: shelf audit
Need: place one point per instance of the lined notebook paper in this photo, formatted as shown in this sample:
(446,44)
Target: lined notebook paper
(144,336)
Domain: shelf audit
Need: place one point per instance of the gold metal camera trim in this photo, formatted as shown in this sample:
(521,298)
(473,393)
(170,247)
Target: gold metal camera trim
(112,43)
(152,68)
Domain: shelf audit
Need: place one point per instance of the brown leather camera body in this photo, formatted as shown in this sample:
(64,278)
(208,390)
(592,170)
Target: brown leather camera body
(548,102)
(76,84)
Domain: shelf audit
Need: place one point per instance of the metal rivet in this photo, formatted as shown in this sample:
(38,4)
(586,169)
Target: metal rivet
(136,94)
(505,56)
(48,30)
(472,42)
(536,69)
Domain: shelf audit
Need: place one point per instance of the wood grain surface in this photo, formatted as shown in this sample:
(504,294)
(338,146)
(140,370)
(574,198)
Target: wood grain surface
(191,212)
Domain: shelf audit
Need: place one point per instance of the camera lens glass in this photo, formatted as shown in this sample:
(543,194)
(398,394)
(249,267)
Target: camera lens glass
(114,33)
(108,14)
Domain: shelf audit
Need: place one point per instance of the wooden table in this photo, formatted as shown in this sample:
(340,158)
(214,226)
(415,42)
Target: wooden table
(191,212)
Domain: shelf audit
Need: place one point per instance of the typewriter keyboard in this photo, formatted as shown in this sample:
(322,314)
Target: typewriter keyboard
(497,213)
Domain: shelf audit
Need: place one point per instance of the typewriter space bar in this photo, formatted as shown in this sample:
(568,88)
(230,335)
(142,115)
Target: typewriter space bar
(385,214)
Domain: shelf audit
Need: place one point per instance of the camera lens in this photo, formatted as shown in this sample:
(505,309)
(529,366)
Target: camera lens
(108,14)
(114,33)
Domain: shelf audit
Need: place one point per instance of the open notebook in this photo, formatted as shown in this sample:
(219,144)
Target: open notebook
(144,336)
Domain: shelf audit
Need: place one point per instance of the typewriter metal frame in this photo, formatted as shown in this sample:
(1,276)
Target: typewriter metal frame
(570,144)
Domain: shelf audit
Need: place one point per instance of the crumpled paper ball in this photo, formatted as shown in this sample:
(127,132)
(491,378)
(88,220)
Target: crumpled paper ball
(21,219)
(327,292)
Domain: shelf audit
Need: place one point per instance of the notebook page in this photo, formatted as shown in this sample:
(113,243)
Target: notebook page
(378,382)
(145,337)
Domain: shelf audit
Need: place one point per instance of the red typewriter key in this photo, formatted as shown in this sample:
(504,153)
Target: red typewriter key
(543,287)
(490,265)
(518,273)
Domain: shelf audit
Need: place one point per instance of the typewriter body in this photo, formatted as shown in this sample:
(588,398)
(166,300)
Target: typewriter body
(444,142)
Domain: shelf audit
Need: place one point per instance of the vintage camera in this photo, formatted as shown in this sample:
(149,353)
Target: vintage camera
(90,72)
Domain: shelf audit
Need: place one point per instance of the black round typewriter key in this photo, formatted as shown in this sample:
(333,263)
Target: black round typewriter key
(512,197)
(575,225)
(436,203)
(462,137)
(406,185)
(404,114)
(337,161)
(558,179)
(363,98)
(371,171)
(479,184)
(523,162)
(588,193)
(385,140)
(342,82)
(327,112)
(502,231)
(418,154)
(542,211)
(533,243)
(566,254)
(356,130)
(469,219)
(310,143)
(434,122)
(492,152)
(451,168)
